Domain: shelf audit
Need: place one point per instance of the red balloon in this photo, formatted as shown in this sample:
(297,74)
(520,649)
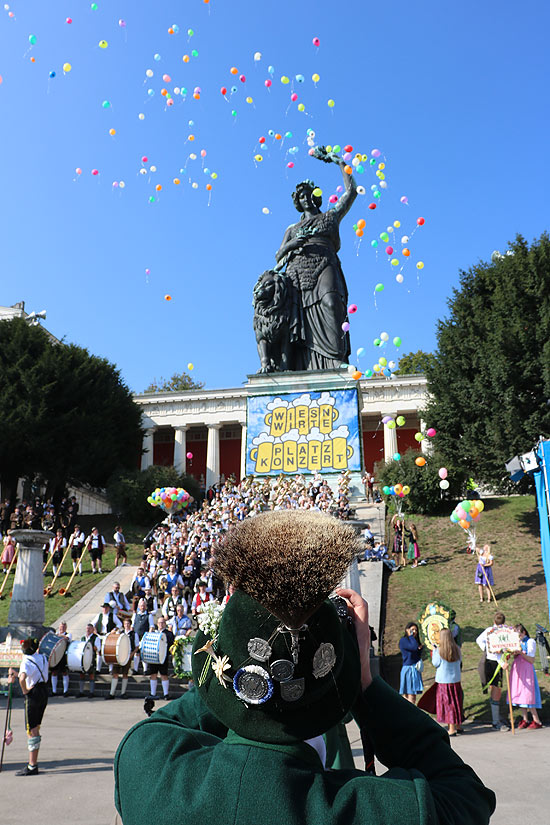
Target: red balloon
(267,83)
(223,90)
(242,78)
(348,148)
(389,250)
(372,206)
(420,221)
(261,140)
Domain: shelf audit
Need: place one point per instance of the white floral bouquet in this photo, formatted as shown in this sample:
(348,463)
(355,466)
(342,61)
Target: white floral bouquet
(209,616)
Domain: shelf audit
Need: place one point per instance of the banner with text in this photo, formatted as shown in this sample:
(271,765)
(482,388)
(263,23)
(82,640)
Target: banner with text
(303,433)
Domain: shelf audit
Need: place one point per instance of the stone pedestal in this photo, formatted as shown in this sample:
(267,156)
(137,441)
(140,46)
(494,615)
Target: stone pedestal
(27,612)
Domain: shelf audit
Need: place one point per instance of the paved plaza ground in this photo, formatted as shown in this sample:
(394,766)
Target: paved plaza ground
(80,737)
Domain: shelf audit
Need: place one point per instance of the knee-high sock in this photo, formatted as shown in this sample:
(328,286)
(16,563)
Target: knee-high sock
(166,686)
(54,683)
(136,662)
(54,568)
(81,684)
(114,682)
(66,683)
(92,687)
(124,686)
(153,687)
(495,712)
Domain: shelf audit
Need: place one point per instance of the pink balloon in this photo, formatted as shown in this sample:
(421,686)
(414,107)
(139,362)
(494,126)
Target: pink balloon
(443,472)
(189,456)
(115,184)
(290,165)
(203,153)
(316,41)
(460,511)
(122,24)
(294,97)
(95,171)
(333,199)
(352,309)
(431,432)
(267,83)
(389,250)
(69,20)
(78,170)
(242,78)
(144,159)
(166,78)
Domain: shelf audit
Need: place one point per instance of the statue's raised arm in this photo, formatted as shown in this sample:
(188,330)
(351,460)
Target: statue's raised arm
(350,188)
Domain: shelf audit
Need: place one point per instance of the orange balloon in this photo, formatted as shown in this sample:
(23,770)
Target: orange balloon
(164,92)
(167,297)
(278,136)
(464,524)
(112,132)
(474,512)
(361,223)
(359,233)
(158,187)
(234,70)
(196,95)
(208,187)
(170,30)
(357,375)
(398,488)
(177,181)
(420,461)
(348,170)
(191,137)
(185,58)
(33,59)
(406,252)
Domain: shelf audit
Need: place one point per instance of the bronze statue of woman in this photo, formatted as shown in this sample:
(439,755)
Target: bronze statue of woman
(320,295)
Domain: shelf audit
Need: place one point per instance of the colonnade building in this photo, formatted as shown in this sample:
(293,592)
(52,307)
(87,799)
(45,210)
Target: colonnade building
(203,432)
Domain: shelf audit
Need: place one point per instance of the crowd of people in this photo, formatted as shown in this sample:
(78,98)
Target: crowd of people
(38,514)
(448,702)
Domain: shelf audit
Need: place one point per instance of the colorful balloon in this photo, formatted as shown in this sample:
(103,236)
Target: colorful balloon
(420,461)
(443,472)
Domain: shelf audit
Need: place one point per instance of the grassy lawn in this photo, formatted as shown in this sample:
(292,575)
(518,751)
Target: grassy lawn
(510,525)
(56,605)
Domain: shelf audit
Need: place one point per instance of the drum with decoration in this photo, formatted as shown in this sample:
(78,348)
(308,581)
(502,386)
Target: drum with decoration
(80,656)
(433,618)
(153,648)
(116,648)
(53,648)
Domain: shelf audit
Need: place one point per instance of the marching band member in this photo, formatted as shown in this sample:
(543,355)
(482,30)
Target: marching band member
(142,622)
(162,669)
(61,668)
(90,636)
(96,548)
(200,598)
(121,602)
(118,670)
(56,547)
(180,624)
(79,540)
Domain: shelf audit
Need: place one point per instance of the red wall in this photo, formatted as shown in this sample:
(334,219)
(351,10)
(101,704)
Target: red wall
(406,440)
(196,467)
(230,457)
(373,448)
(163,454)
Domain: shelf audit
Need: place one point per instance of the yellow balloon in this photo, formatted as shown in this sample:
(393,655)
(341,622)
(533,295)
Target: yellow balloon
(103,44)
(395,261)
(480,505)
(383,361)
(397,224)
(364,158)
(315,77)
(317,192)
(258,158)
(67,67)
(381,165)
(249,100)
(190,367)
(420,265)
(329,148)
(285,80)
(330,103)
(301,107)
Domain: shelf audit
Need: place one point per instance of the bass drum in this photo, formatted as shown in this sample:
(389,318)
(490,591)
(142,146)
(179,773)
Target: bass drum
(116,648)
(53,648)
(153,648)
(80,656)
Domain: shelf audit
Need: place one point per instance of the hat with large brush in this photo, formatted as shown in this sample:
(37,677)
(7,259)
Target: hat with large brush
(280,666)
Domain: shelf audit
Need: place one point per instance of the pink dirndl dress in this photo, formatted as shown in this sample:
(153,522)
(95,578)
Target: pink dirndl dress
(524,686)
(8,553)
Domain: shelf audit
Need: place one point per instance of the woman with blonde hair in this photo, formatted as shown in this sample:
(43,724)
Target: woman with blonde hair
(484,572)
(449,697)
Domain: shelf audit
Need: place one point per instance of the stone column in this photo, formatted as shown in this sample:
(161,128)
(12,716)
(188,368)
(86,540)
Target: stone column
(213,455)
(27,613)
(180,448)
(243,451)
(390,442)
(148,445)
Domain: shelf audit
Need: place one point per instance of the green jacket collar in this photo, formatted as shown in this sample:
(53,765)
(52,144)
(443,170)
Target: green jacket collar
(299,750)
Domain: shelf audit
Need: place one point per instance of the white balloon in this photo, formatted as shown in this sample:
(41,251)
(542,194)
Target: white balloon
(399,278)
(195,185)
(361,190)
(257,56)
(444,484)
(121,184)
(141,116)
(142,171)
(351,369)
(149,73)
(392,365)
(384,336)
(176,90)
(153,169)
(405,239)
(383,184)
(265,210)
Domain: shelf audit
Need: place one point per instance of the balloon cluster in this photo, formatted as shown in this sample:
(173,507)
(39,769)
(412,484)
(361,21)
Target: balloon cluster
(467,513)
(397,490)
(391,423)
(170,499)
(443,473)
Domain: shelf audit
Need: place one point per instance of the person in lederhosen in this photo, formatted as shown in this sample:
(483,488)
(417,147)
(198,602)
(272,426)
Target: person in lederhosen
(76,548)
(56,549)
(104,622)
(95,549)
(142,622)
(61,669)
(162,668)
(123,670)
(92,637)
(33,678)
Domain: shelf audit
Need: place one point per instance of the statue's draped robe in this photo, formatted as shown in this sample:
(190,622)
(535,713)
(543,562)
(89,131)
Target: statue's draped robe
(320,295)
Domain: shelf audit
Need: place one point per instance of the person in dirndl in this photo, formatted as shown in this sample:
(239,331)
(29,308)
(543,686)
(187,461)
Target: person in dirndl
(33,680)
(524,685)
(410,683)
(449,698)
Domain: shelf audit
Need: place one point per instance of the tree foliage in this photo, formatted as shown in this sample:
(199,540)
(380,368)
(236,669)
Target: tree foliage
(179,382)
(128,490)
(415,362)
(65,414)
(426,495)
(490,380)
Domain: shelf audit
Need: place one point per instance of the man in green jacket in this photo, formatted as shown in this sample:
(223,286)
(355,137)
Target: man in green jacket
(280,669)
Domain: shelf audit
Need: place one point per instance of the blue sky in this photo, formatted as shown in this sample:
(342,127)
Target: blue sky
(455,97)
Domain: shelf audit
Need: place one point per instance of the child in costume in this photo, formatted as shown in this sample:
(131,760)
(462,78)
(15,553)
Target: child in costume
(449,697)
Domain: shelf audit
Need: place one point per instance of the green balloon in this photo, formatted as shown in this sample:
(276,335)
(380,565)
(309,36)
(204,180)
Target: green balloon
(94,7)
(377,342)
(391,425)
(418,437)
(384,237)
(379,288)
(337,148)
(400,420)
(194,53)
(32,39)
(466,505)
(152,199)
(397,341)
(368,373)
(372,162)
(190,32)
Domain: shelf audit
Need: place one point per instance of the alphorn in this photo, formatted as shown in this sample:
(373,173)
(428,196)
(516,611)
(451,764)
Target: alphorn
(49,588)
(6,577)
(64,591)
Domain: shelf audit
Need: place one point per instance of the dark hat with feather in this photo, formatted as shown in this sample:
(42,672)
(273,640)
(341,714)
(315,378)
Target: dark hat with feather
(281,666)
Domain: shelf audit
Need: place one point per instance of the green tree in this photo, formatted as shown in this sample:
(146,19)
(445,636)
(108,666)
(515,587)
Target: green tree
(65,414)
(128,490)
(426,495)
(490,380)
(179,382)
(415,362)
